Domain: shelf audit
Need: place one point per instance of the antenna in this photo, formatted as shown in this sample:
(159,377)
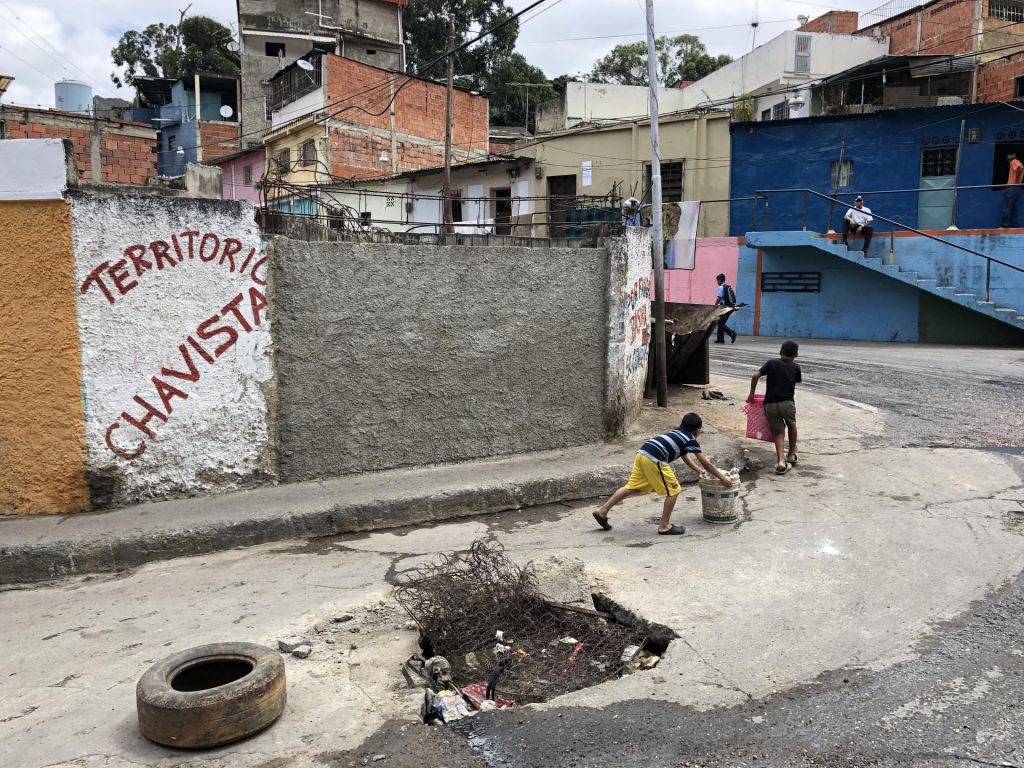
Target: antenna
(753,25)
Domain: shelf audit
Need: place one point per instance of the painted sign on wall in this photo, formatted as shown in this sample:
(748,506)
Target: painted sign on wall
(172,312)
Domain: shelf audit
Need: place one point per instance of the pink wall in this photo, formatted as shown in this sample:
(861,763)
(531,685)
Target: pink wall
(234,175)
(714,255)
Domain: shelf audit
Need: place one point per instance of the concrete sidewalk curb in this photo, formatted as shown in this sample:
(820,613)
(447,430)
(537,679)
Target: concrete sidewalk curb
(46,548)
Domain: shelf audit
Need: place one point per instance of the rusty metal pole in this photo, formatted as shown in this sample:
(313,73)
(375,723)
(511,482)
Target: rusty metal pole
(448,228)
(657,243)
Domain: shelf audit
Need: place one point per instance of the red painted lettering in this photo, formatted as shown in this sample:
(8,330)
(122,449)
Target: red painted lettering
(232,307)
(245,264)
(161,251)
(193,372)
(119,274)
(137,253)
(190,236)
(202,247)
(143,424)
(261,263)
(94,277)
(177,248)
(231,247)
(206,333)
(257,301)
(120,452)
(167,393)
(199,348)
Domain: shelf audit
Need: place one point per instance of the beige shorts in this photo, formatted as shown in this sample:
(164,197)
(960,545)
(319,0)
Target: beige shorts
(780,416)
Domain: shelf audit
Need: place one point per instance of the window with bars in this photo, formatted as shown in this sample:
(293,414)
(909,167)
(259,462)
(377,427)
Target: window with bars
(780,111)
(307,153)
(938,162)
(671,180)
(802,61)
(842,174)
(1006,10)
(294,82)
(247,175)
(766,114)
(283,160)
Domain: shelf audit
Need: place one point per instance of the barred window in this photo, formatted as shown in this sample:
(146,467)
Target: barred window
(842,174)
(938,162)
(766,115)
(247,175)
(671,180)
(283,160)
(307,153)
(1006,10)
(802,62)
(780,111)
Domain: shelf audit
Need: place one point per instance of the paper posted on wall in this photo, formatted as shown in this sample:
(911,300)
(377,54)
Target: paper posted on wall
(587,171)
(679,221)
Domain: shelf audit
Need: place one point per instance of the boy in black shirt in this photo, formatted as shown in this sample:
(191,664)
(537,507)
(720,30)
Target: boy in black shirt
(783,375)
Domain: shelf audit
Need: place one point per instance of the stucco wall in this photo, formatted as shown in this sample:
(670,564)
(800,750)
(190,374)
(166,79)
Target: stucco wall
(175,346)
(400,355)
(715,255)
(629,327)
(41,423)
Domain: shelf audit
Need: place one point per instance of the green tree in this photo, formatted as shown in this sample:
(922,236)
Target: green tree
(683,57)
(198,44)
(508,94)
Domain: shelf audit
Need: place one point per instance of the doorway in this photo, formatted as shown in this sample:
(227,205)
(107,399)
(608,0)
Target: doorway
(562,194)
(938,175)
(502,210)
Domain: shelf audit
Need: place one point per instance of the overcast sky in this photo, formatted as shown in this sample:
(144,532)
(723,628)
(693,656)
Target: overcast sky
(47,40)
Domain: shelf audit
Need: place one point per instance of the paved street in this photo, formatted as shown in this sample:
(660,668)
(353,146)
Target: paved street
(866,609)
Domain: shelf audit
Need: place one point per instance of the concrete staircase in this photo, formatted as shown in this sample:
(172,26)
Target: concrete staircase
(927,283)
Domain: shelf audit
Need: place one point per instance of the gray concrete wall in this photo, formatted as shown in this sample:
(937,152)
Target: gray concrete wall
(396,355)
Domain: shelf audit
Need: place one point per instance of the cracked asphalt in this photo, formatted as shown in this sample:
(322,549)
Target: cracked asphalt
(866,609)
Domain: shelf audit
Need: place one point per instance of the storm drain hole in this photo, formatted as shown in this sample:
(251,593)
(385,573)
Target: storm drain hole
(211,674)
(504,640)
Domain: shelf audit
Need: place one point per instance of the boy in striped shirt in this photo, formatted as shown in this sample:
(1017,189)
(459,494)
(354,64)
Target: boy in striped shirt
(652,471)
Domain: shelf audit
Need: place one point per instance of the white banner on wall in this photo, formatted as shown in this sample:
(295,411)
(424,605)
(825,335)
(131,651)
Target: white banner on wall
(587,171)
(680,226)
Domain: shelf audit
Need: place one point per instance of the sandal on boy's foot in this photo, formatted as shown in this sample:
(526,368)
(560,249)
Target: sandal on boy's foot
(602,521)
(791,460)
(675,530)
(782,471)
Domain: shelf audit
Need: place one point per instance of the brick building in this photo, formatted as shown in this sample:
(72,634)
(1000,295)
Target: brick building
(343,119)
(986,37)
(274,33)
(106,150)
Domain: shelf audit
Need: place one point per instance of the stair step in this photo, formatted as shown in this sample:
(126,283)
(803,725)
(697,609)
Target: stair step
(986,303)
(944,287)
(1006,311)
(927,280)
(965,295)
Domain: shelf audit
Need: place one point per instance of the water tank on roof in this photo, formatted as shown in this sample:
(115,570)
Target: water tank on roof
(73,96)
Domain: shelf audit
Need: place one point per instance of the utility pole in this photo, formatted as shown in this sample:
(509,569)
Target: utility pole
(657,242)
(448,228)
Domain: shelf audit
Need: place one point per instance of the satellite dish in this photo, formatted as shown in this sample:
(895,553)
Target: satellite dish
(303,64)
(226,111)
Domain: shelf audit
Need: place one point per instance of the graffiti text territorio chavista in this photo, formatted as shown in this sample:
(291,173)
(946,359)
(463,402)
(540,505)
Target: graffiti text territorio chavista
(247,309)
(160,254)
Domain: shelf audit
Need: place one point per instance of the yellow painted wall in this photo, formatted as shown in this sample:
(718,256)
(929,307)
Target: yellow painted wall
(42,425)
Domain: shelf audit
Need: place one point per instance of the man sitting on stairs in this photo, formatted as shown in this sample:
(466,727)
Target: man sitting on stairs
(858,220)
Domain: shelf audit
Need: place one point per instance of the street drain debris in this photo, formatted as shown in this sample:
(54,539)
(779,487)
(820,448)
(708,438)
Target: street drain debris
(491,639)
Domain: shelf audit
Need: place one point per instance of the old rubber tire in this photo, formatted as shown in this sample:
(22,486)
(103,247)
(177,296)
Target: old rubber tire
(211,695)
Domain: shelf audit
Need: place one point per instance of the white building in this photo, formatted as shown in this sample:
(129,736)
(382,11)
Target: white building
(600,102)
(771,71)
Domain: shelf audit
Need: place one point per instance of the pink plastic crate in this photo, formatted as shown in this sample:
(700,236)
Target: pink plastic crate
(757,422)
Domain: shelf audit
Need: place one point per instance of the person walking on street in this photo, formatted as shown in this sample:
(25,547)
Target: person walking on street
(1012,192)
(779,404)
(725,297)
(858,221)
(652,472)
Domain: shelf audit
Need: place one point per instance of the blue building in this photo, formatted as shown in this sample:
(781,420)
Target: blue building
(170,105)
(959,279)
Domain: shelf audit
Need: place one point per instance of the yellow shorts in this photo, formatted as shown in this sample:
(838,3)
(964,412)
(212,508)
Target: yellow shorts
(648,476)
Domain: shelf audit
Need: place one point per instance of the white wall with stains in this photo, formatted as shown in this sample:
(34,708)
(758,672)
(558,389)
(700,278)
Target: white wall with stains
(176,346)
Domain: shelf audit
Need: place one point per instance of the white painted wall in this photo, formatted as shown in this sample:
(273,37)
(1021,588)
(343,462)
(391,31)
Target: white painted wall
(304,105)
(32,169)
(771,65)
(593,102)
(175,314)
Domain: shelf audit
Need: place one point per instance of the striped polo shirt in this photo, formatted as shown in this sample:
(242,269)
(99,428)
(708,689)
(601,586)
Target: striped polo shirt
(670,446)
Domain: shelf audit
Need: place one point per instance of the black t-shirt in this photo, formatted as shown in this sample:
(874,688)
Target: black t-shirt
(783,376)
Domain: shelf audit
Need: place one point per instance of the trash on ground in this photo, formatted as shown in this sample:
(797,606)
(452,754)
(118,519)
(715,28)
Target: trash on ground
(302,651)
(628,654)
(289,644)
